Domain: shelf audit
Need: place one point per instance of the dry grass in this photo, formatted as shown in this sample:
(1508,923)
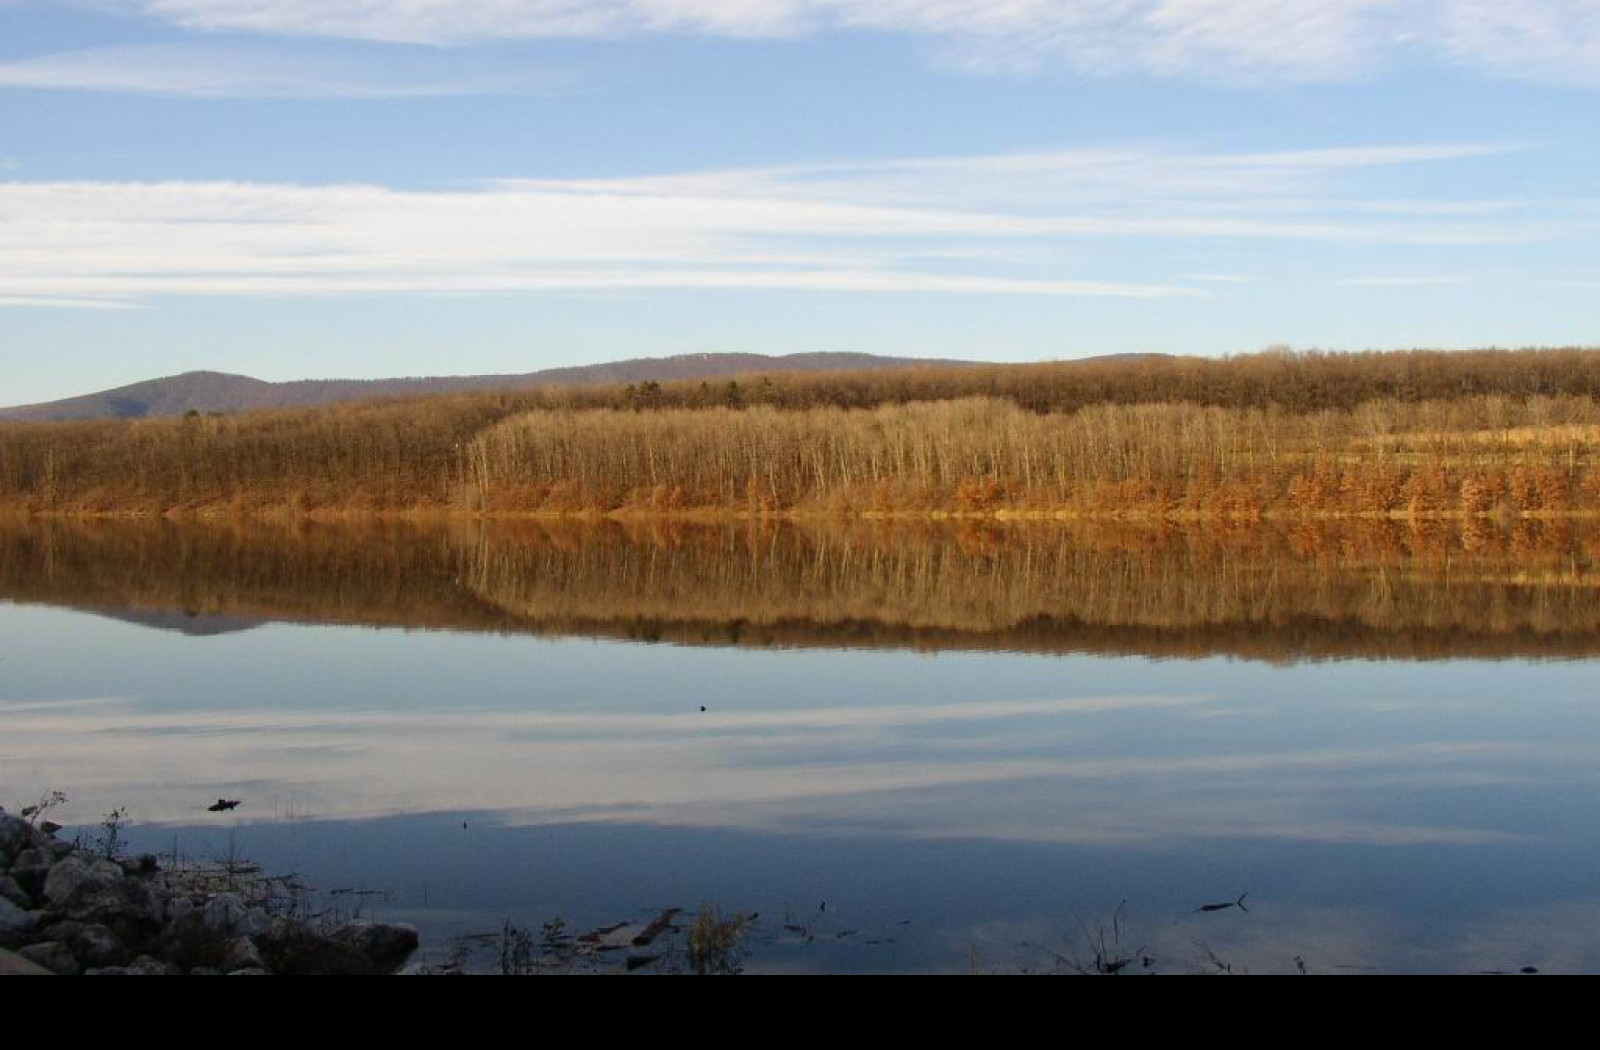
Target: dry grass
(1272,435)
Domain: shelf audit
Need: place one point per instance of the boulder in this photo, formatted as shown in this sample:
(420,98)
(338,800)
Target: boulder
(386,946)
(15,923)
(14,965)
(78,877)
(229,914)
(53,956)
(12,891)
(94,946)
(94,890)
(15,835)
(31,867)
(242,954)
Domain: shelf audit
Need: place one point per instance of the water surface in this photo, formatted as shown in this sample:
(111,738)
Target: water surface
(929,747)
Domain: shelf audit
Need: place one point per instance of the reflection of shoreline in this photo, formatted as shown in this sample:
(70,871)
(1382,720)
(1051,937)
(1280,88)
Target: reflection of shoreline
(1370,590)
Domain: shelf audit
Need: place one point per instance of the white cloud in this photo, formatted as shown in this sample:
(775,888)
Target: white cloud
(1283,39)
(18,302)
(1402,281)
(205,71)
(1005,225)
(1541,40)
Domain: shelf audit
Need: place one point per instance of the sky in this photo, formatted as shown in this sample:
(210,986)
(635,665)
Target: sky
(296,188)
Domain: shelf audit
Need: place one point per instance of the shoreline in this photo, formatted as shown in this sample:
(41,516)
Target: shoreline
(230,512)
(67,909)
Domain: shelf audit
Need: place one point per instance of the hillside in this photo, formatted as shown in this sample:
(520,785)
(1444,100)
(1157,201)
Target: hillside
(210,392)
(1414,435)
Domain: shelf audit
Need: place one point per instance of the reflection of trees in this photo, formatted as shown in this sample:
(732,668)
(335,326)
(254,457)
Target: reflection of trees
(1351,589)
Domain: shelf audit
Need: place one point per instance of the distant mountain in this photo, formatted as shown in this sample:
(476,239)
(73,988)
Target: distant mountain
(218,392)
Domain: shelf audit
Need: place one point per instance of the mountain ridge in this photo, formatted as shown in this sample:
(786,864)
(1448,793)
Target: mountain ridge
(211,391)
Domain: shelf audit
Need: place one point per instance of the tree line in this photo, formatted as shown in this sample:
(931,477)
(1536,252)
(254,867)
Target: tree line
(1417,433)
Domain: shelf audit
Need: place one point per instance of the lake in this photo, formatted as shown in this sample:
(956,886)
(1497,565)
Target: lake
(960,747)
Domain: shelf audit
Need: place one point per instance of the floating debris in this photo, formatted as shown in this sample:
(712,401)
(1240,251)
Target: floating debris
(662,925)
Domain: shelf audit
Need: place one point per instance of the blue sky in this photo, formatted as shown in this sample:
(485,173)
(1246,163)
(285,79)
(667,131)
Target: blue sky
(292,188)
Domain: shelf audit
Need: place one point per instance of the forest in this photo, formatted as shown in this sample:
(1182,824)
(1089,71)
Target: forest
(1413,434)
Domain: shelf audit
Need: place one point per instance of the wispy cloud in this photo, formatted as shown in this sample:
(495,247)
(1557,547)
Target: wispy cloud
(1221,278)
(209,71)
(24,302)
(1003,225)
(1403,281)
(1310,40)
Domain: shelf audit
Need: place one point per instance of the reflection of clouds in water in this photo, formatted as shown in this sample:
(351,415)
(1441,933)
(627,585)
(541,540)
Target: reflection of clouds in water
(1006,771)
(1555,939)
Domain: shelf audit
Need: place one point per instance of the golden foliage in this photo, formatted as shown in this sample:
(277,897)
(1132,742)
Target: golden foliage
(1275,434)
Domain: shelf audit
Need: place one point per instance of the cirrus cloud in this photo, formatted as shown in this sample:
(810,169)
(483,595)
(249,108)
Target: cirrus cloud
(210,72)
(1312,40)
(1024,225)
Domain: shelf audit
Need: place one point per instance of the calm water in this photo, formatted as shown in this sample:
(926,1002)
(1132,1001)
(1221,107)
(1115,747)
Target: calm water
(967,742)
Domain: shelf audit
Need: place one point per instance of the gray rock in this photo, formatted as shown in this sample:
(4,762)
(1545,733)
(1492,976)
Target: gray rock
(229,914)
(254,972)
(31,868)
(145,965)
(387,946)
(15,924)
(146,864)
(242,954)
(92,945)
(14,965)
(10,890)
(15,835)
(94,890)
(53,956)
(79,877)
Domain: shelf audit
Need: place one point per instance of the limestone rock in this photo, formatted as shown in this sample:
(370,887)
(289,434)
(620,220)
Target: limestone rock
(78,877)
(53,956)
(30,868)
(387,946)
(242,954)
(93,945)
(12,891)
(14,965)
(229,914)
(15,923)
(15,835)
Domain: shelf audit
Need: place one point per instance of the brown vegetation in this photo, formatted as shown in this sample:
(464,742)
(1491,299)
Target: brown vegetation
(1404,435)
(1312,590)
(1465,457)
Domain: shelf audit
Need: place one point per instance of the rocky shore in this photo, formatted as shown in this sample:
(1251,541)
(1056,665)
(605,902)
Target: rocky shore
(69,910)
